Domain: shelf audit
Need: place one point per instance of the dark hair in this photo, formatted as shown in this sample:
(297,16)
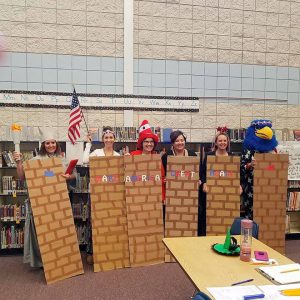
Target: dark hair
(43,151)
(108,128)
(175,134)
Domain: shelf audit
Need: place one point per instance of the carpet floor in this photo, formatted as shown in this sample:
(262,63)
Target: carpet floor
(158,282)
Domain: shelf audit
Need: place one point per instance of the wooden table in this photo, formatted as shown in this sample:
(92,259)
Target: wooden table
(206,268)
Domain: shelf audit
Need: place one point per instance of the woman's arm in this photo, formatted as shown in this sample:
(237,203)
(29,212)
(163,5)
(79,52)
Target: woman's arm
(18,159)
(86,153)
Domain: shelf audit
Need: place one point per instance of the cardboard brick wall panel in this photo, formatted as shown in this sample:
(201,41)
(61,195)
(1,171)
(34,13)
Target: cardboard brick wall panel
(108,212)
(181,198)
(269,198)
(53,219)
(144,209)
(223,197)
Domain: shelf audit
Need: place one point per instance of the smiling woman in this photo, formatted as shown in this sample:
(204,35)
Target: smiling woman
(108,138)
(220,147)
(49,148)
(147,140)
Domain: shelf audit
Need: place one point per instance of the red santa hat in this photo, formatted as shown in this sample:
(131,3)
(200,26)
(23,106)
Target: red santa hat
(144,133)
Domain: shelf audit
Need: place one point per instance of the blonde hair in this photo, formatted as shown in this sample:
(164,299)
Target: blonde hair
(214,145)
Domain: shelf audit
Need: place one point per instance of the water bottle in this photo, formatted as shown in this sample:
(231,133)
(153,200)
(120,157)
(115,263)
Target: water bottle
(246,239)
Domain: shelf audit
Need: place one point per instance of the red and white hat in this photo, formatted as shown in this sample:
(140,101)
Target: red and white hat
(144,133)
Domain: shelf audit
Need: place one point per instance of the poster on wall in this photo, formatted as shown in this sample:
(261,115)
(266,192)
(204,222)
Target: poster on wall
(292,148)
(53,219)
(181,198)
(143,188)
(108,213)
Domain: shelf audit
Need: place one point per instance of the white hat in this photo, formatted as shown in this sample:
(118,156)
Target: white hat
(47,133)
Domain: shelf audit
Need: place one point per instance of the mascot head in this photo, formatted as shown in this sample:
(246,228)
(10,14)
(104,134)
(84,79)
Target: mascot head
(260,137)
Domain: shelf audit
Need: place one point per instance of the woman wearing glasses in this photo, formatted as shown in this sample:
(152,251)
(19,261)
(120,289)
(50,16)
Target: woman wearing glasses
(147,140)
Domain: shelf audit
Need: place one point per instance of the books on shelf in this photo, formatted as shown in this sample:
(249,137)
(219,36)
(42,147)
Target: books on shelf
(293,201)
(294,184)
(237,135)
(12,212)
(7,159)
(12,237)
(82,233)
(82,184)
(11,185)
(287,223)
(80,211)
(126,134)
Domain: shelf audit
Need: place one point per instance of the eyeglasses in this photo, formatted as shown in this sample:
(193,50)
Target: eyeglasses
(148,142)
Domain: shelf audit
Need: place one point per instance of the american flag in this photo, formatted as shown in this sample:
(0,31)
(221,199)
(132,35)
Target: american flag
(75,119)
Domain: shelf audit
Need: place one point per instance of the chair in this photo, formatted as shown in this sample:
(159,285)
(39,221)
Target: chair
(201,296)
(236,228)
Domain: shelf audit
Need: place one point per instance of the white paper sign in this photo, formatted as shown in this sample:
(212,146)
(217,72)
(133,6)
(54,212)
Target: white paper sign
(292,148)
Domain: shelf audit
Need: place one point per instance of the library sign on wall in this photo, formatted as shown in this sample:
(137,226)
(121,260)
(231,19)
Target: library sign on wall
(93,101)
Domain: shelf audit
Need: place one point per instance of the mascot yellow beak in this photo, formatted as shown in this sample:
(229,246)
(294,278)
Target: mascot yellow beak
(265,133)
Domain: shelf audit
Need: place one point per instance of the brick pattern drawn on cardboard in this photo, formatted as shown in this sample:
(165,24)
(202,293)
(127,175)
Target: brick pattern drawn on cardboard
(181,198)
(269,198)
(108,212)
(223,196)
(144,209)
(53,219)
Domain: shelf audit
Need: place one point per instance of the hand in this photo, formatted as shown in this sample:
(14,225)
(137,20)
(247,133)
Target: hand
(253,163)
(126,150)
(241,190)
(88,138)
(17,156)
(204,188)
(200,182)
(66,176)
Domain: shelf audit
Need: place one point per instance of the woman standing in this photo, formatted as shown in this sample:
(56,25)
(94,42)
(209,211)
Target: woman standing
(108,138)
(49,148)
(178,140)
(220,148)
(147,140)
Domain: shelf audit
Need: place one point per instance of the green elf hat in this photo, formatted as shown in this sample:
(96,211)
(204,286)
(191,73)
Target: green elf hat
(230,246)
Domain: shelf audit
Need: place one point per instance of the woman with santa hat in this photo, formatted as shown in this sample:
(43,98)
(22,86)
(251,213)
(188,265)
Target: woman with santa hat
(147,140)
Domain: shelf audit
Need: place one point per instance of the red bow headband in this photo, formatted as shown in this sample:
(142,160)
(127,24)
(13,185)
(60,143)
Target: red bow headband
(222,129)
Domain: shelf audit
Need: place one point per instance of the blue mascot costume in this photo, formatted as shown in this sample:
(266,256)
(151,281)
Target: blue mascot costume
(259,139)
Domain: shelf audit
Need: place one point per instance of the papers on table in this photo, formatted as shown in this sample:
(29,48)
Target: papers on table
(283,274)
(271,261)
(234,292)
(271,292)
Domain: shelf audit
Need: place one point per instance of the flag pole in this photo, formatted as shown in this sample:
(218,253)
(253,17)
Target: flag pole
(87,129)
